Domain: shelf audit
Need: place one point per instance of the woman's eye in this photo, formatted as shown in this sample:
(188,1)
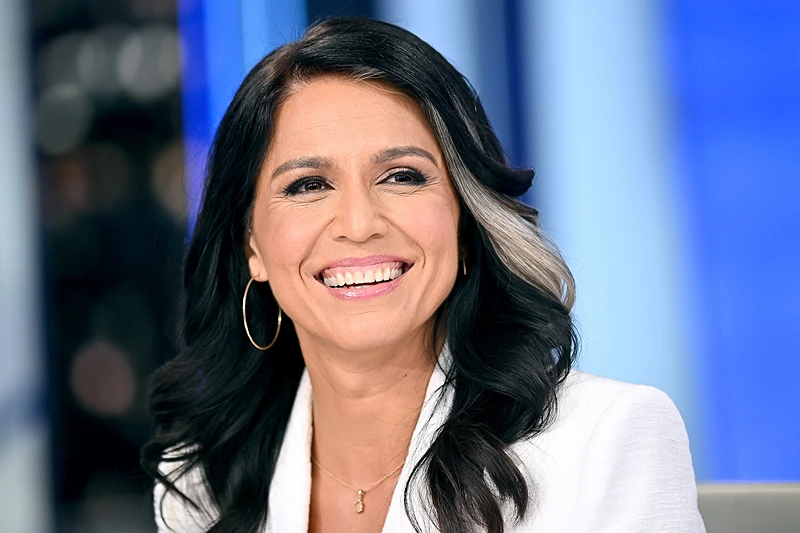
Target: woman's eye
(305,185)
(407,176)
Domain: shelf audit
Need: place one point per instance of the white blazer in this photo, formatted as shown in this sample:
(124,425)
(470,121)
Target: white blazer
(616,459)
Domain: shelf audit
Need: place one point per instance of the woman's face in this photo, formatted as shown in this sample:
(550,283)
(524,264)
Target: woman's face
(355,219)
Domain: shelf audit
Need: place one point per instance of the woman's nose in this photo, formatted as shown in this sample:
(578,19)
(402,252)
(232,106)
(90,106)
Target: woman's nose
(359,215)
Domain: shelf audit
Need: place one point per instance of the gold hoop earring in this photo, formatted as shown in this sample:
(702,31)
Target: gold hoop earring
(464,266)
(247,330)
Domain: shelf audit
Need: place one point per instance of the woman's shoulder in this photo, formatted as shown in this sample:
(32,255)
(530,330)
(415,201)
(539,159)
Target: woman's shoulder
(597,413)
(585,400)
(615,453)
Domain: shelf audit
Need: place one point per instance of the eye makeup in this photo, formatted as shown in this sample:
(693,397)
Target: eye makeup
(312,184)
(301,185)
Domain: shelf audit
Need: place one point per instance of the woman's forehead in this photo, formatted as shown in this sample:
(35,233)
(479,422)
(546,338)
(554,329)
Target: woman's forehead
(335,111)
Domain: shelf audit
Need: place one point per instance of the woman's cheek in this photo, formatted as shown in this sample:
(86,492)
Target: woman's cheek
(437,227)
(291,238)
(289,223)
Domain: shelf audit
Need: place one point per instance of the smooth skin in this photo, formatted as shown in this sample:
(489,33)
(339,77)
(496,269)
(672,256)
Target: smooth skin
(354,170)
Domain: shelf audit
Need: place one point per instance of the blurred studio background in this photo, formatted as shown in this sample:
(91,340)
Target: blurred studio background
(666,138)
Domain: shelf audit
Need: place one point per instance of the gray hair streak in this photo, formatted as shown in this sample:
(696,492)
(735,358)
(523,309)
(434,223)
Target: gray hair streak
(519,242)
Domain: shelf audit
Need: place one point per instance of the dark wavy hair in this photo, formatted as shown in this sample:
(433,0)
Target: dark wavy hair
(221,407)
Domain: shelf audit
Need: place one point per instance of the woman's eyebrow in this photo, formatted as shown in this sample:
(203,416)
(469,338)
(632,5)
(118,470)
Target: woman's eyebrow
(402,151)
(382,157)
(302,162)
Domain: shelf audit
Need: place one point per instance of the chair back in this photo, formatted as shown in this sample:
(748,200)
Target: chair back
(750,508)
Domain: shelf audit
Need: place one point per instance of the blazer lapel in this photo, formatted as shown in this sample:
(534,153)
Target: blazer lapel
(435,408)
(290,491)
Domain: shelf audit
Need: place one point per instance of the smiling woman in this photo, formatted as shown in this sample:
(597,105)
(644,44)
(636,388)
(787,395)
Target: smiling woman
(356,187)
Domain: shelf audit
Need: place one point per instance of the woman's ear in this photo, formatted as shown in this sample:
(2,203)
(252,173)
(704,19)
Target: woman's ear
(255,260)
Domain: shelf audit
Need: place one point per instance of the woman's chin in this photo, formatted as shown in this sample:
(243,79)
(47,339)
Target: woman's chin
(361,335)
(367,341)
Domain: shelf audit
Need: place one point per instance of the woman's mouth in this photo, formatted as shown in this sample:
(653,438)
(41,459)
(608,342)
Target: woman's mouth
(357,276)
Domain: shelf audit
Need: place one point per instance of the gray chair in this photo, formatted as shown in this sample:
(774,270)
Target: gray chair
(750,508)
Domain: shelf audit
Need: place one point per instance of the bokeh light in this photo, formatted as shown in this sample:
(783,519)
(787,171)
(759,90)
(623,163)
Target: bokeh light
(102,379)
(97,60)
(64,115)
(148,64)
(167,181)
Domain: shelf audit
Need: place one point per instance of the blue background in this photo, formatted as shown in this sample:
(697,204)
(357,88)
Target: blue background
(667,142)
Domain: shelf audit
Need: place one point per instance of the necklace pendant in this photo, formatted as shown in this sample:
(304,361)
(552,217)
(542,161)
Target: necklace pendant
(359,505)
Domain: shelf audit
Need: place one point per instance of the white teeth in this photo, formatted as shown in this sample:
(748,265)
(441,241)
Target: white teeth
(361,277)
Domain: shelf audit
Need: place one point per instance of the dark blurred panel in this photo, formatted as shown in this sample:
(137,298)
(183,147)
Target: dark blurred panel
(319,9)
(113,215)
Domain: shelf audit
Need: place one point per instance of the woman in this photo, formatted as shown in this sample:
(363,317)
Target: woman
(377,334)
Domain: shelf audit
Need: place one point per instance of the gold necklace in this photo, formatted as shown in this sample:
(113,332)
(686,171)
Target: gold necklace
(359,505)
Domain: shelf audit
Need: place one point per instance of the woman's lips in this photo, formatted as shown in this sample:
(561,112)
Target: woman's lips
(360,275)
(364,261)
(367,290)
(365,280)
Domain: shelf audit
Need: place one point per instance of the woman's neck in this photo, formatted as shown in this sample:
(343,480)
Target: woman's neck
(365,407)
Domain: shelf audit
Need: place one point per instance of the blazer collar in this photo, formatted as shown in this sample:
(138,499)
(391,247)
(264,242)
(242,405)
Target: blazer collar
(290,491)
